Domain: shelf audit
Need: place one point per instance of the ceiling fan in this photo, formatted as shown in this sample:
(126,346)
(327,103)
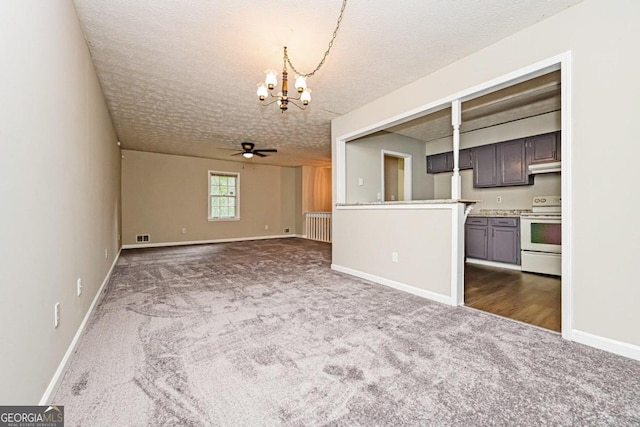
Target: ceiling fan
(248,150)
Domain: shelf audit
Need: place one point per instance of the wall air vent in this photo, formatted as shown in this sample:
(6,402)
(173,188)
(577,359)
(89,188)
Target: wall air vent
(142,238)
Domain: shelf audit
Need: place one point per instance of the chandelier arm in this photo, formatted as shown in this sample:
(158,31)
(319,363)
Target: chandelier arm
(269,103)
(296,104)
(326,53)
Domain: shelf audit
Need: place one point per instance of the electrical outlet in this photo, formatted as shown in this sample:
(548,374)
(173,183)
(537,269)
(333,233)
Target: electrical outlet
(106,253)
(79,286)
(499,199)
(394,256)
(56,315)
(184,230)
(266,227)
(360,182)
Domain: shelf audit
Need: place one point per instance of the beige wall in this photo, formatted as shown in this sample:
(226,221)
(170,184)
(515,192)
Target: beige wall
(602,37)
(512,197)
(162,194)
(60,187)
(420,237)
(364,160)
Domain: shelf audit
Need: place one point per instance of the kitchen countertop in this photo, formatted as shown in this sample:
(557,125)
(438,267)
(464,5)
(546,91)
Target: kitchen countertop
(504,213)
(411,202)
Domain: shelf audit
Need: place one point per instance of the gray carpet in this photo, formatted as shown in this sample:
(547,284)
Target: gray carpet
(263,333)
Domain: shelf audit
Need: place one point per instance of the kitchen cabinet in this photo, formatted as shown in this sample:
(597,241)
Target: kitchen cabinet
(443,162)
(465,159)
(543,148)
(505,240)
(476,242)
(501,165)
(512,164)
(493,239)
(439,163)
(485,166)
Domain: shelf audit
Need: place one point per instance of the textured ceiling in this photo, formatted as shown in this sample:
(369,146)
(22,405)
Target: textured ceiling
(180,77)
(527,99)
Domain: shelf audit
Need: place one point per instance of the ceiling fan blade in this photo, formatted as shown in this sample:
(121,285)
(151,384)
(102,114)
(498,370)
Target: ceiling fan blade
(259,154)
(237,154)
(266,150)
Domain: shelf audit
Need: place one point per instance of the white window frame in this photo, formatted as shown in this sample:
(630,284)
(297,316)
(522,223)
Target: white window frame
(235,175)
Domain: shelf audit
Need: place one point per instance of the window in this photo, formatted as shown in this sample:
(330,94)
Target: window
(223,195)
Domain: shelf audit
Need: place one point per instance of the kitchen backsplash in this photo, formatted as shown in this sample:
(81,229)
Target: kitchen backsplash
(518,197)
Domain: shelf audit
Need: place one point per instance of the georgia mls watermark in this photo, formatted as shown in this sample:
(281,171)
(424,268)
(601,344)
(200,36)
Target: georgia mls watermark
(31,416)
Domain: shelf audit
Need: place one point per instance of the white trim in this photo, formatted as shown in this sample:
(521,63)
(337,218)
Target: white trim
(631,351)
(66,359)
(395,285)
(567,195)
(408,173)
(341,175)
(494,264)
(204,242)
(457,254)
(398,205)
(236,196)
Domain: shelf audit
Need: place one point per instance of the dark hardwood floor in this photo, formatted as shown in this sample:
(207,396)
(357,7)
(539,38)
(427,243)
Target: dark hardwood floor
(527,297)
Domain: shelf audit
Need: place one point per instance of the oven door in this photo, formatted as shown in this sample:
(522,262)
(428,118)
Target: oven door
(541,233)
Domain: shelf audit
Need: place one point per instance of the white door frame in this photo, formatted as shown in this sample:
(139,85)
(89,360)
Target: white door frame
(408,173)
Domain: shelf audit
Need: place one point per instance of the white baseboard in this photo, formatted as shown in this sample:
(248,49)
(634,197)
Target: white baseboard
(395,285)
(204,242)
(613,346)
(493,264)
(64,364)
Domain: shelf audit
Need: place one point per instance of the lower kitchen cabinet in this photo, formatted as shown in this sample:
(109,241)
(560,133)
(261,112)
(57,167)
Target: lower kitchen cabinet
(475,238)
(493,239)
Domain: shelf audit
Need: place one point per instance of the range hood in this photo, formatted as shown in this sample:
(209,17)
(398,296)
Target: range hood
(553,167)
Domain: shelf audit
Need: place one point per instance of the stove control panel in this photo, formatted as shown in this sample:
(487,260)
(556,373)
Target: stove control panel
(546,201)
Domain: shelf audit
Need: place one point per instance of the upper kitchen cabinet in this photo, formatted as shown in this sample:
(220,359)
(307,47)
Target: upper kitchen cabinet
(438,163)
(501,165)
(512,164)
(543,148)
(485,166)
(465,159)
(443,162)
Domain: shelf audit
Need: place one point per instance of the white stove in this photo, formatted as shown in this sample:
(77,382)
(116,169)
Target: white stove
(541,236)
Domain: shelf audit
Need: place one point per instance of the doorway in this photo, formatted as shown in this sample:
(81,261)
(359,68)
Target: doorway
(396,176)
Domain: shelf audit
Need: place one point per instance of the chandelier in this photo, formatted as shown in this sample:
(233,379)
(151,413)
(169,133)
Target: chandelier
(282,98)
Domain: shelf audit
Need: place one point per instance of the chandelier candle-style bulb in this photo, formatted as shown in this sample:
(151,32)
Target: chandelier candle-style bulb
(305,96)
(271,80)
(301,83)
(262,92)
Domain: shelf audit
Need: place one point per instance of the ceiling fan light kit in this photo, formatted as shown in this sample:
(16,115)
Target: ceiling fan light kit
(248,151)
(282,98)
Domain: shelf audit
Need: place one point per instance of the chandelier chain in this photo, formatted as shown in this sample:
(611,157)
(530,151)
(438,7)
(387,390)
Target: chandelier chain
(335,33)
